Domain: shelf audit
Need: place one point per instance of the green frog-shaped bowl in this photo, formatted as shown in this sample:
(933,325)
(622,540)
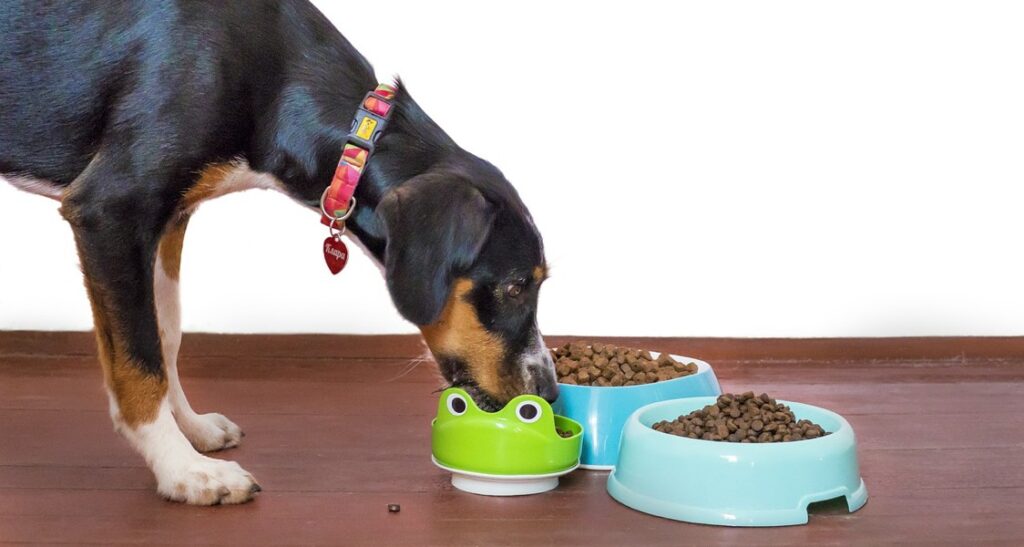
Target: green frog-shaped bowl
(514,451)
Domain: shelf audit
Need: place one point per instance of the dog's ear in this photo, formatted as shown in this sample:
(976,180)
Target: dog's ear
(436,225)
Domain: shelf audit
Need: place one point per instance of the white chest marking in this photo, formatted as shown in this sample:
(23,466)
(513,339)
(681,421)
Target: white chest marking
(35,186)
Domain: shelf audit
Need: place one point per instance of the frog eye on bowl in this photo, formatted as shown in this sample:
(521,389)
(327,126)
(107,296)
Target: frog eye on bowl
(457,404)
(528,412)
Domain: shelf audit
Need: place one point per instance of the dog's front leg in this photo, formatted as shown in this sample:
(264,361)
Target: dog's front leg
(206,432)
(117,233)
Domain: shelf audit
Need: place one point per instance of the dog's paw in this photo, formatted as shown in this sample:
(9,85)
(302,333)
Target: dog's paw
(206,481)
(210,432)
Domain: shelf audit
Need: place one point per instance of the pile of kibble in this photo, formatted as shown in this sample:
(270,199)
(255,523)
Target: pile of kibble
(743,418)
(597,364)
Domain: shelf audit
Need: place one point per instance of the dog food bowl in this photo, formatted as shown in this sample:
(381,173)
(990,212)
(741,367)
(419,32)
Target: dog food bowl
(512,452)
(734,484)
(604,410)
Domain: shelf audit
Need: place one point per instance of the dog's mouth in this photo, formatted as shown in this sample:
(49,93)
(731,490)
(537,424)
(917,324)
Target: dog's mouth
(455,372)
(483,401)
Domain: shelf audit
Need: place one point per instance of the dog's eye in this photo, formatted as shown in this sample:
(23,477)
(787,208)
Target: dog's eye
(513,290)
(528,412)
(456,404)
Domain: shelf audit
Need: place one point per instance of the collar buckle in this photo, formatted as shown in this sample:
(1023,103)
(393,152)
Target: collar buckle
(371,119)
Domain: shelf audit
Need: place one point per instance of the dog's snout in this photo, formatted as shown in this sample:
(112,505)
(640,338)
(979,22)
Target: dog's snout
(542,375)
(548,390)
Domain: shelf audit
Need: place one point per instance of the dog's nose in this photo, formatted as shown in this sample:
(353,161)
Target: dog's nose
(545,384)
(547,390)
(538,369)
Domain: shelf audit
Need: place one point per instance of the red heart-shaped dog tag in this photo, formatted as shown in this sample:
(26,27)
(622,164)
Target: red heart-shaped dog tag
(335,254)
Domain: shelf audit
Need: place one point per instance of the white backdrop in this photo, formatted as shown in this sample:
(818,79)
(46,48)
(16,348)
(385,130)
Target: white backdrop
(698,169)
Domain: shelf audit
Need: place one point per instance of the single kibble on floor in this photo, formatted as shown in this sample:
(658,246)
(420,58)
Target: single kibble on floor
(394,508)
(743,418)
(605,365)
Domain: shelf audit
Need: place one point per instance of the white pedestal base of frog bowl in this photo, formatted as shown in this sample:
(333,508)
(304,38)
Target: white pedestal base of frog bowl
(503,485)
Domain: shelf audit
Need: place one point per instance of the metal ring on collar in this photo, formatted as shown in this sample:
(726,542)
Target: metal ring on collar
(340,231)
(342,218)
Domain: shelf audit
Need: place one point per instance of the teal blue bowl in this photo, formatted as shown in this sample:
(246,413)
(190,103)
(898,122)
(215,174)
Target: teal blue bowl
(734,484)
(604,410)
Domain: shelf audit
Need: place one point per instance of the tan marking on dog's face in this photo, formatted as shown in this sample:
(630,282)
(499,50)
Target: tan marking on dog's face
(540,273)
(458,333)
(170,248)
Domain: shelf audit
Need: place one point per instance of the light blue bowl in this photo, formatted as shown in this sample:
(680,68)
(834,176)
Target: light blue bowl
(734,484)
(604,410)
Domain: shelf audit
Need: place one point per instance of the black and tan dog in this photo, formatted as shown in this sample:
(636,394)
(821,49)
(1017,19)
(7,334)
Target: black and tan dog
(131,113)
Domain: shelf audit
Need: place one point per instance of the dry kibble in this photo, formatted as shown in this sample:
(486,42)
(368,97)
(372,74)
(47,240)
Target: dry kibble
(563,367)
(743,418)
(599,364)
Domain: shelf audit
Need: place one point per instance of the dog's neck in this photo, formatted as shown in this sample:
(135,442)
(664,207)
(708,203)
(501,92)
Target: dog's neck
(309,114)
(411,145)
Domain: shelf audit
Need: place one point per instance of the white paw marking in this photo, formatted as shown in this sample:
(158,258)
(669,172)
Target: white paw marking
(182,474)
(210,432)
(205,481)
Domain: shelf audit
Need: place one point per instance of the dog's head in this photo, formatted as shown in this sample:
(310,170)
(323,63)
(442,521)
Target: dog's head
(465,263)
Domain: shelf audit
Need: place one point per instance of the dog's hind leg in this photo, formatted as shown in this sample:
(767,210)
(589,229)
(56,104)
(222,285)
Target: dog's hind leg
(206,432)
(118,222)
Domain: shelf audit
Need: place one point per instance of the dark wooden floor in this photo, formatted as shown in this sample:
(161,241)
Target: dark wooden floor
(338,427)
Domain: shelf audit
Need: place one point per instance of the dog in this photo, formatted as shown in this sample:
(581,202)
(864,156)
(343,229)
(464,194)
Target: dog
(131,114)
